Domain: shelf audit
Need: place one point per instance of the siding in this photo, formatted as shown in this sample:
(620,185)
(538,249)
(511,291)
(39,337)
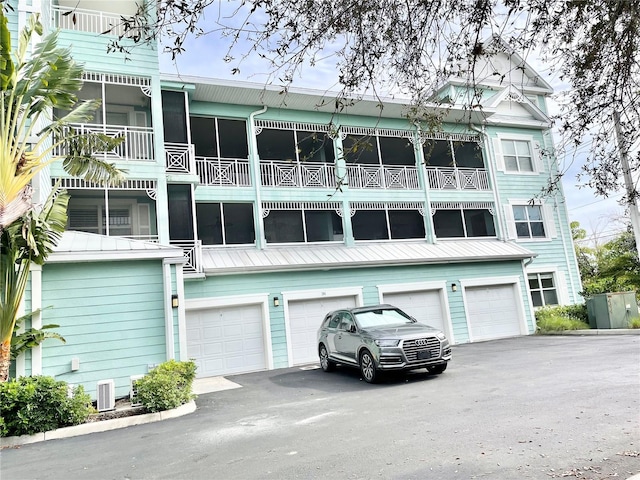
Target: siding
(112,317)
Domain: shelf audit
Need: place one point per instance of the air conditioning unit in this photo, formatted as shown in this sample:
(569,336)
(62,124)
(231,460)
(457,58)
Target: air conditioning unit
(133,392)
(106,393)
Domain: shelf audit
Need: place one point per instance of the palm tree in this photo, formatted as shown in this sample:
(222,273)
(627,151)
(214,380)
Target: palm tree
(31,86)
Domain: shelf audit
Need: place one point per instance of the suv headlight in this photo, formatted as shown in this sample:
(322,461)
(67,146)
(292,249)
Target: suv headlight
(387,342)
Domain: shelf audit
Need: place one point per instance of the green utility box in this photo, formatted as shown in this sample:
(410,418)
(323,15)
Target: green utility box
(612,310)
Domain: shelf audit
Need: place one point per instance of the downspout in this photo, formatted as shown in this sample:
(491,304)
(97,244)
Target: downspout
(255,164)
(494,181)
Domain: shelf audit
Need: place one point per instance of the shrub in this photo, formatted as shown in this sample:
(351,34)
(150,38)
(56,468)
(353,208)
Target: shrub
(167,386)
(634,322)
(38,404)
(566,317)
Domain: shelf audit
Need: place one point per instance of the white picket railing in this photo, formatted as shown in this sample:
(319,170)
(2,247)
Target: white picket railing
(445,178)
(383,176)
(192,251)
(83,20)
(137,144)
(180,158)
(223,171)
(293,174)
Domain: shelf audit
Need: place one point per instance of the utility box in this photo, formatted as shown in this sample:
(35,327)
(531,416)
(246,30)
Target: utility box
(612,310)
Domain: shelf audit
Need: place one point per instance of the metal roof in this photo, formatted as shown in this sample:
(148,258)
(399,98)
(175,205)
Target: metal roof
(232,260)
(87,247)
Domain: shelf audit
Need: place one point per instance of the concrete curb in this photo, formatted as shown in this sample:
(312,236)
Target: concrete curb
(101,426)
(612,331)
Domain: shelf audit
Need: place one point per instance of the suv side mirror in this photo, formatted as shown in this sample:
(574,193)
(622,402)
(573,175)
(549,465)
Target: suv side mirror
(352,329)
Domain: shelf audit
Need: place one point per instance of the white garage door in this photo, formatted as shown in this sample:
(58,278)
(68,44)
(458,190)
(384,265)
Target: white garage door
(305,317)
(425,306)
(226,340)
(493,312)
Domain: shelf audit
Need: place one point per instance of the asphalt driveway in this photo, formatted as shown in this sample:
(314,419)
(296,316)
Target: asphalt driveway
(521,408)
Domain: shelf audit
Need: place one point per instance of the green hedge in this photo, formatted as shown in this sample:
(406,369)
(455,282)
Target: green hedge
(167,386)
(565,317)
(38,404)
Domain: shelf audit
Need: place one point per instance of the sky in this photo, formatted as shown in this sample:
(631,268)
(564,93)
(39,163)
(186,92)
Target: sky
(601,217)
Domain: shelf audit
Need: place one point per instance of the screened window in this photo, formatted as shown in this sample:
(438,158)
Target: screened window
(378,150)
(219,137)
(449,153)
(387,224)
(124,213)
(289,226)
(452,223)
(517,155)
(543,289)
(294,146)
(225,223)
(529,221)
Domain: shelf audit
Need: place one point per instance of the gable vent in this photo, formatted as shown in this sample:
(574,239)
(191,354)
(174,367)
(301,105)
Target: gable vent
(106,393)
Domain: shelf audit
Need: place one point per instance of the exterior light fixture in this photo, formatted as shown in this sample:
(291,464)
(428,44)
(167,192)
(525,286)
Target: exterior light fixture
(276,302)
(454,287)
(174,301)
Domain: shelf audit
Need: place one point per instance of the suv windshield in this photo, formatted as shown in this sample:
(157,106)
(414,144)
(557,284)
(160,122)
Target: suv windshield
(381,318)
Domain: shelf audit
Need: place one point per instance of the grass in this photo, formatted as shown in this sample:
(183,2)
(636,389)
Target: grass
(557,323)
(634,322)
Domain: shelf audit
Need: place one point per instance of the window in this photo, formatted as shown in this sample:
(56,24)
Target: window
(225,223)
(294,146)
(116,213)
(463,222)
(387,224)
(287,226)
(378,150)
(529,221)
(517,155)
(450,153)
(543,289)
(219,138)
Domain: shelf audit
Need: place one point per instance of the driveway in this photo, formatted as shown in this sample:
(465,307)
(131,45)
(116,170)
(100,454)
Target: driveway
(521,408)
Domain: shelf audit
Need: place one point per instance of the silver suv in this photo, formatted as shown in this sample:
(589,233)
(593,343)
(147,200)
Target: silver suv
(380,338)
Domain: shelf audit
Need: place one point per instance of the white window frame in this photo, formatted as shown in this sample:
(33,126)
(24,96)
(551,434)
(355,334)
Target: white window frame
(559,282)
(534,146)
(548,220)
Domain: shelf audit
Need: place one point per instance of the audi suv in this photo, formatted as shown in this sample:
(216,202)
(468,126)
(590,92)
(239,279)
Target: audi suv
(380,338)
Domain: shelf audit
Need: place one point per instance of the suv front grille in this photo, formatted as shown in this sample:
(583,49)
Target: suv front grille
(429,344)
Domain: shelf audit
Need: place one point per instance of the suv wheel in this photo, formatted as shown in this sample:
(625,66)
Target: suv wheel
(368,367)
(326,364)
(437,369)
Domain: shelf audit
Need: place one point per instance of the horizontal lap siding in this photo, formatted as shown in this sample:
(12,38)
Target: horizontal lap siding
(367,278)
(112,317)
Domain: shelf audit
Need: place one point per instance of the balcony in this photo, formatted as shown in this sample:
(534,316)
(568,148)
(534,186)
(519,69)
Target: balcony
(447,178)
(223,172)
(137,144)
(385,176)
(180,158)
(82,20)
(192,251)
(294,174)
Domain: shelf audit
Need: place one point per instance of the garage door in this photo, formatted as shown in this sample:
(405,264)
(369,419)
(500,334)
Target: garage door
(305,317)
(226,340)
(493,312)
(425,306)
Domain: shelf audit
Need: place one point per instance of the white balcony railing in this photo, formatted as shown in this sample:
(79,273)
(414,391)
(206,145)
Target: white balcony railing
(385,176)
(180,158)
(223,171)
(192,251)
(82,20)
(137,144)
(441,178)
(293,174)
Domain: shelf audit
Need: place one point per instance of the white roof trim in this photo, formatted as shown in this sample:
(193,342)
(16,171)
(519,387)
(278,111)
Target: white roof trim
(235,260)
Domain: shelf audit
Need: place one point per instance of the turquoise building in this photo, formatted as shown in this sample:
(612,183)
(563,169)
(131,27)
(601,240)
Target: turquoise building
(247,216)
